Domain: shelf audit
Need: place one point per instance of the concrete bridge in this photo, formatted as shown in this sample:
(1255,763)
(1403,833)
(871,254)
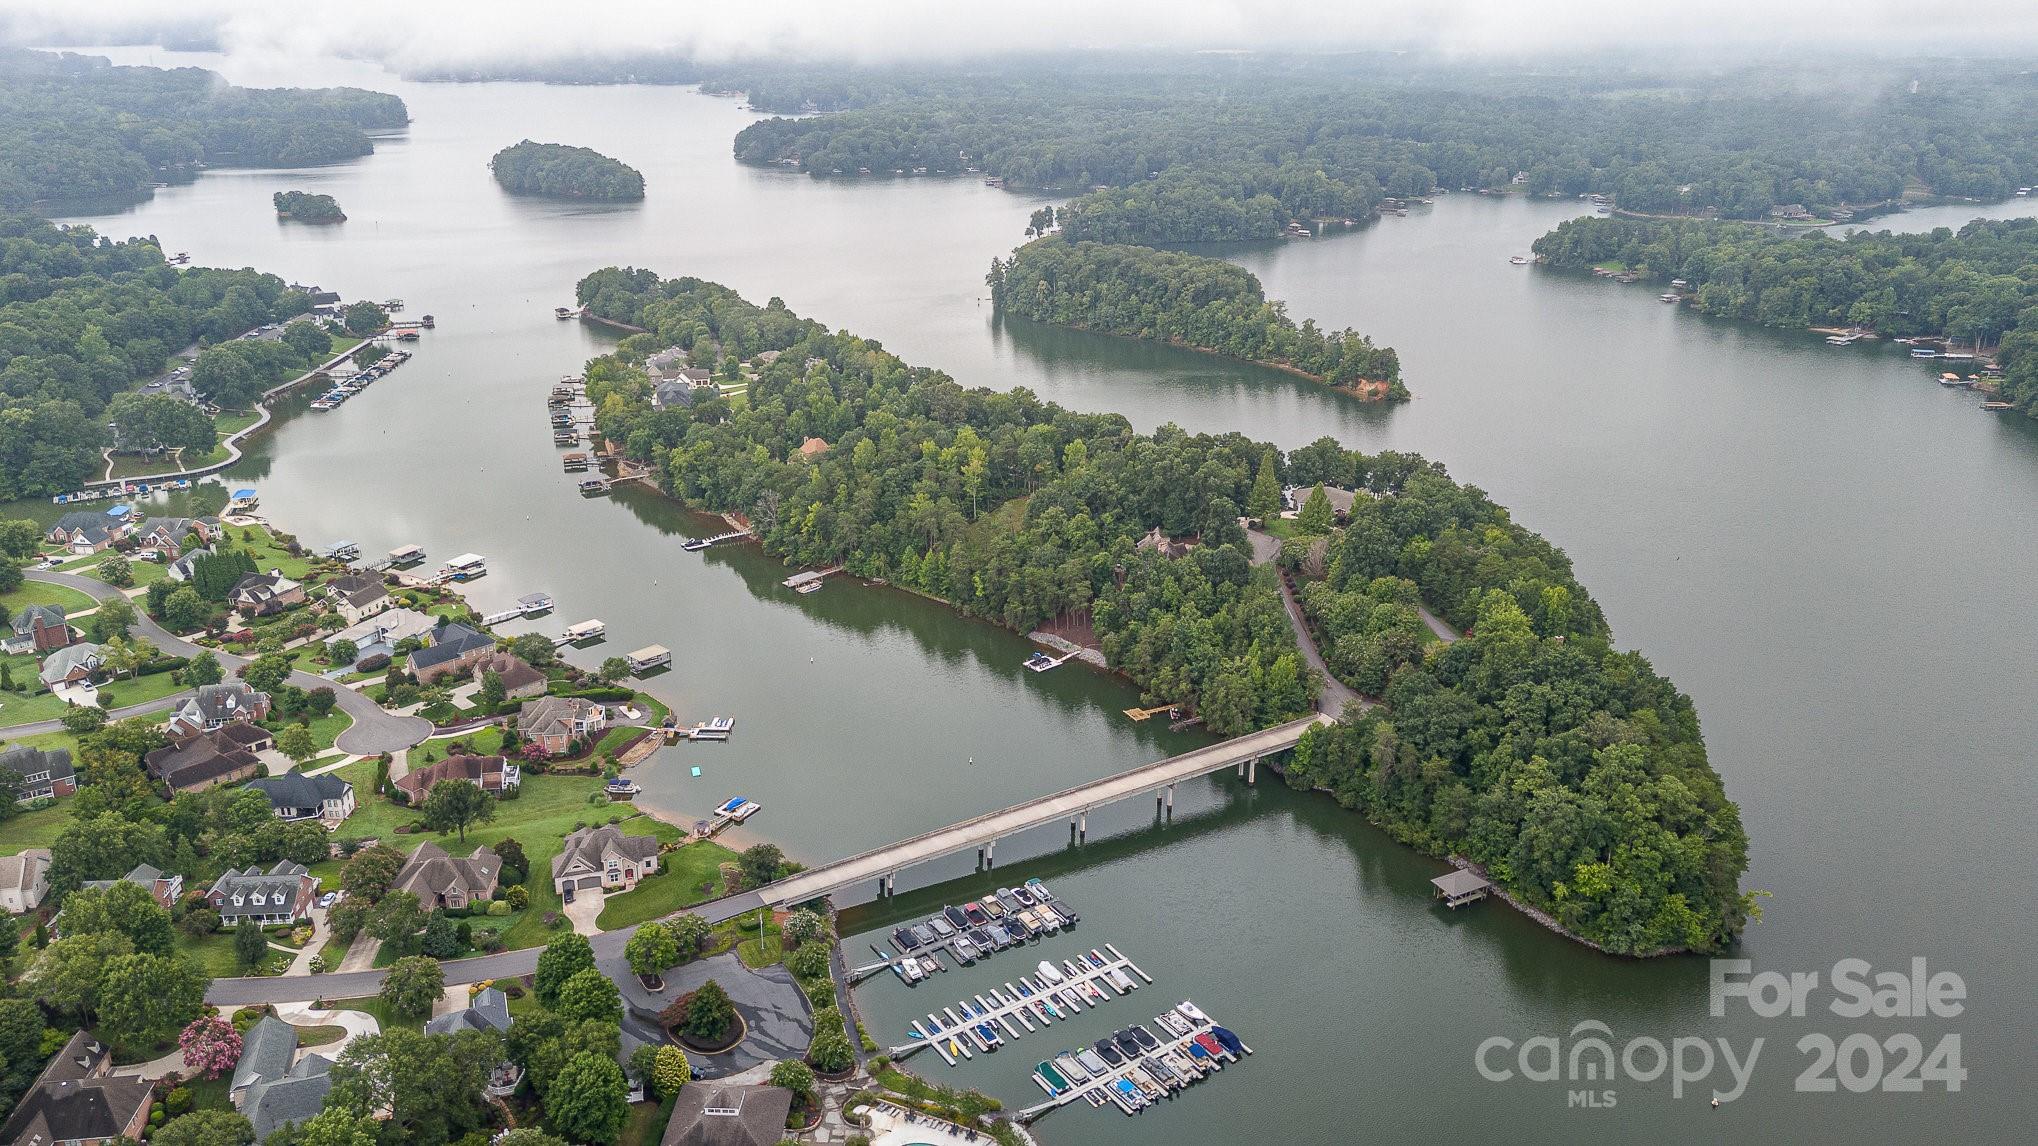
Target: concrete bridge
(1073,805)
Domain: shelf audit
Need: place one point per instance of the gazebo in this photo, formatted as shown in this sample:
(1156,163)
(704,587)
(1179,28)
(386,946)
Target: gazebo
(1460,887)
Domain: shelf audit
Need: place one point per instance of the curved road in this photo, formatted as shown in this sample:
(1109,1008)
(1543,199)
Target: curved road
(375,729)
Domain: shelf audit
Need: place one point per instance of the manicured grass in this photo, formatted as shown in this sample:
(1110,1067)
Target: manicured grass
(372,1005)
(37,593)
(28,829)
(692,875)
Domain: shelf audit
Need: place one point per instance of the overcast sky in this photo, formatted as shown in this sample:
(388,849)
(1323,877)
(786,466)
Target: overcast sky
(431,33)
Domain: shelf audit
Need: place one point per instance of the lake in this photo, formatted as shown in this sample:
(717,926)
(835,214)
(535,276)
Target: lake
(1827,551)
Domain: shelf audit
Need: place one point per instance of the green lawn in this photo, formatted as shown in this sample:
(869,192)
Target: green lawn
(692,875)
(27,829)
(37,593)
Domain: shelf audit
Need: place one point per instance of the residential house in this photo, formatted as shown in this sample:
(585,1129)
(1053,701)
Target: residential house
(268,1088)
(358,596)
(43,771)
(77,1101)
(519,680)
(719,1114)
(441,880)
(384,630)
(181,569)
(39,629)
(295,796)
(555,723)
(492,774)
(454,649)
(226,755)
(603,857)
(24,880)
(489,1011)
(260,594)
(166,887)
(283,894)
(71,664)
(813,448)
(213,706)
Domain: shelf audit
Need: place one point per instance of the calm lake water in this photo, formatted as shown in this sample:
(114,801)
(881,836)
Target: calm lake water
(1829,552)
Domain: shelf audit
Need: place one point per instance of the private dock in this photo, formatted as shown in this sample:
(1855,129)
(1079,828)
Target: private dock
(696,544)
(1181,1046)
(1009,1011)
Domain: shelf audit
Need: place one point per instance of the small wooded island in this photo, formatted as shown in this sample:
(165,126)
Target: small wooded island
(305,207)
(1188,300)
(562,172)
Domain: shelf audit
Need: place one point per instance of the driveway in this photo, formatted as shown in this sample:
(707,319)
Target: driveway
(375,730)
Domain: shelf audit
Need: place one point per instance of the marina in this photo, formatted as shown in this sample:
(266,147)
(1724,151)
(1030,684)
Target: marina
(1051,993)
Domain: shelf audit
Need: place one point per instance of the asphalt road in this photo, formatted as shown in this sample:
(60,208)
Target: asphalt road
(375,729)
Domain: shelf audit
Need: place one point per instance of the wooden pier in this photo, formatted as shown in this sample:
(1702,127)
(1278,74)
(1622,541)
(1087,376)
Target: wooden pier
(1030,1004)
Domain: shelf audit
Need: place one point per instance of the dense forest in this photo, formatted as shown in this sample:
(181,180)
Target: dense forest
(559,171)
(83,319)
(75,127)
(1532,728)
(1204,303)
(306,207)
(1977,285)
(1210,152)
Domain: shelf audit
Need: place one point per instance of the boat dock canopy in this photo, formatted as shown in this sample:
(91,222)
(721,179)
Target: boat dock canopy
(1460,887)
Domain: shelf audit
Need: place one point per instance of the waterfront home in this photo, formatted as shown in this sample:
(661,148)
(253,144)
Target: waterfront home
(295,796)
(492,774)
(271,1085)
(38,629)
(384,630)
(43,771)
(519,680)
(72,664)
(715,1114)
(555,723)
(440,879)
(283,894)
(214,706)
(166,888)
(226,755)
(813,448)
(358,596)
(489,1011)
(24,880)
(78,1101)
(260,594)
(454,650)
(603,857)
(183,567)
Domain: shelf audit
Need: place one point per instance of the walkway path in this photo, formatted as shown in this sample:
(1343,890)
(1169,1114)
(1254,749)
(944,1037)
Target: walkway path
(374,730)
(1335,695)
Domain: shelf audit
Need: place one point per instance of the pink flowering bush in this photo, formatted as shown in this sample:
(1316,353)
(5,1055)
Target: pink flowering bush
(211,1045)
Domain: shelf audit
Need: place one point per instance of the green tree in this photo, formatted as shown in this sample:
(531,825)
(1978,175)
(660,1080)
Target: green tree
(794,1075)
(589,1100)
(205,1128)
(296,742)
(145,999)
(651,949)
(455,804)
(563,958)
(1315,516)
(412,986)
(590,994)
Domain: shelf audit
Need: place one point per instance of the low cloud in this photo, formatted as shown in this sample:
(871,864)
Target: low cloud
(417,35)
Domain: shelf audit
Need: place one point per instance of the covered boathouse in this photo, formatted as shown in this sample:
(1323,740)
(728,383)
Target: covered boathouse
(1460,887)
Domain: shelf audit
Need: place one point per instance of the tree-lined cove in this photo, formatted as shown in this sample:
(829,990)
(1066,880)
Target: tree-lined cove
(927,718)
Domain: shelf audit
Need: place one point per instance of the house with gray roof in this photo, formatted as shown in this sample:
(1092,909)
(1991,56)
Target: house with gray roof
(269,1089)
(283,894)
(295,796)
(38,629)
(454,649)
(77,1100)
(43,771)
(214,706)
